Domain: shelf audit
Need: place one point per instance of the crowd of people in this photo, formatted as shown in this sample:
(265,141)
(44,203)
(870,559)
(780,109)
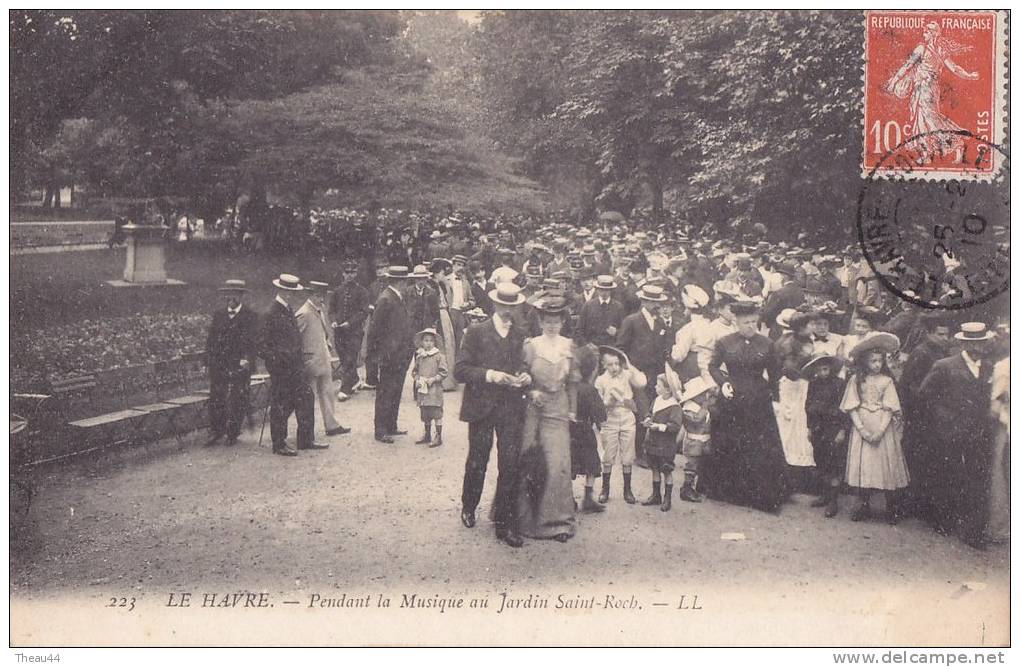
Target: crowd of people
(768,368)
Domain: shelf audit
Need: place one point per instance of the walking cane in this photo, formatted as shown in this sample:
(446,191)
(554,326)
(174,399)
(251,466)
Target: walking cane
(265,414)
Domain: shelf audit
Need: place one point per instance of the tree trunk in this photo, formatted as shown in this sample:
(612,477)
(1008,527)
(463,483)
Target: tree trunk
(657,208)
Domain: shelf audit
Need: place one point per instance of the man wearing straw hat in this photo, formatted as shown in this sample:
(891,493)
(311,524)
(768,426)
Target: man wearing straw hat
(289,391)
(957,391)
(488,363)
(391,340)
(230,353)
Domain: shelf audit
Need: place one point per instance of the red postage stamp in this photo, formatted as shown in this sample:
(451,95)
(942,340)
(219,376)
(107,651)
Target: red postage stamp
(934,94)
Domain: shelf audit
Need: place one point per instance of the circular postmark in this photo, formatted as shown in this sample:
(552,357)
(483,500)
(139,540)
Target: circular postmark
(940,244)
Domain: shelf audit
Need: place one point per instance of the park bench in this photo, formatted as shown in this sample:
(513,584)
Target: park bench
(112,428)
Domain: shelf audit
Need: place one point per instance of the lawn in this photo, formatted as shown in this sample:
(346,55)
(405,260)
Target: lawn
(60,304)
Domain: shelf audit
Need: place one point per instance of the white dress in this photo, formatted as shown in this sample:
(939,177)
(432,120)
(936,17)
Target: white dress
(875,465)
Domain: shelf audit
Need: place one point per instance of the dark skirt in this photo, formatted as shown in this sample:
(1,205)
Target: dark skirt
(584,451)
(747,466)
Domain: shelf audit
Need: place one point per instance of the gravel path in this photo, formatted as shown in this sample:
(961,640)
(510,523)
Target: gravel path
(368,519)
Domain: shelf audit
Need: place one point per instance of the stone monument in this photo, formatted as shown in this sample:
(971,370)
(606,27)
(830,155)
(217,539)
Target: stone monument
(145,265)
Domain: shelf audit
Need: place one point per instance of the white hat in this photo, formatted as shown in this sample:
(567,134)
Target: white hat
(974,331)
(693,297)
(289,282)
(783,318)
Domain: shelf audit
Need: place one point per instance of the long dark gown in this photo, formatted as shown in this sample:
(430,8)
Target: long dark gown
(747,466)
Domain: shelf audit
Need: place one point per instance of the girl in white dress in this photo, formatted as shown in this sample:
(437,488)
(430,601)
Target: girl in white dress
(875,457)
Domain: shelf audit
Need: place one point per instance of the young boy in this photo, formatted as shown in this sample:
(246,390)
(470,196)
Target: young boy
(664,421)
(696,401)
(427,374)
(827,426)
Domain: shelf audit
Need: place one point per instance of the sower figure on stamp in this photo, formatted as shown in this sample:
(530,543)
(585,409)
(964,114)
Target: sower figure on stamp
(348,308)
(230,357)
(289,391)
(391,341)
(317,355)
(489,363)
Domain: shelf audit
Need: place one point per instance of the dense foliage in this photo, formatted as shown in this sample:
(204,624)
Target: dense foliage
(726,117)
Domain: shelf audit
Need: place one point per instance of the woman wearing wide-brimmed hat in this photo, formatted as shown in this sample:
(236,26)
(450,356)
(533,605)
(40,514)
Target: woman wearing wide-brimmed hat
(546,500)
(439,268)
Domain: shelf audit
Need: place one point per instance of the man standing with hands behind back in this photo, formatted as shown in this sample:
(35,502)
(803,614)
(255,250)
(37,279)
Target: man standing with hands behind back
(489,364)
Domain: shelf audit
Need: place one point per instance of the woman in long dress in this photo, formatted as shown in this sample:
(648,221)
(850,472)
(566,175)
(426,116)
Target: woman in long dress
(439,267)
(794,349)
(546,499)
(747,466)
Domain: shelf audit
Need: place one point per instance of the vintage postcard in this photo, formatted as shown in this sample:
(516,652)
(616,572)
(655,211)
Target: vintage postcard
(506,327)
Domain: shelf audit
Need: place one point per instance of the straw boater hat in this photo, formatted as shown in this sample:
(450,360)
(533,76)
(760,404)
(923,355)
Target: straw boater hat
(821,360)
(507,294)
(288,282)
(420,272)
(431,332)
(605,282)
(233,285)
(651,293)
(879,340)
(318,286)
(399,272)
(616,352)
(974,331)
(460,259)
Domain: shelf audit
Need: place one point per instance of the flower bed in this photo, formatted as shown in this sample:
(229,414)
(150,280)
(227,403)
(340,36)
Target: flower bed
(90,346)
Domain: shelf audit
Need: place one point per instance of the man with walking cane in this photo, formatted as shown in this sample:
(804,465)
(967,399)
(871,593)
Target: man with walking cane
(230,359)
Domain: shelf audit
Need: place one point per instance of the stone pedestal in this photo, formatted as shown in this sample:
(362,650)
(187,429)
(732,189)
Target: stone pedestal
(146,258)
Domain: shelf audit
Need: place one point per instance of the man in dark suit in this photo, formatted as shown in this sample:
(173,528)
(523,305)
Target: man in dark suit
(600,318)
(230,352)
(790,295)
(480,287)
(643,338)
(917,440)
(422,301)
(489,363)
(289,391)
(957,392)
(391,340)
(348,310)
(371,363)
